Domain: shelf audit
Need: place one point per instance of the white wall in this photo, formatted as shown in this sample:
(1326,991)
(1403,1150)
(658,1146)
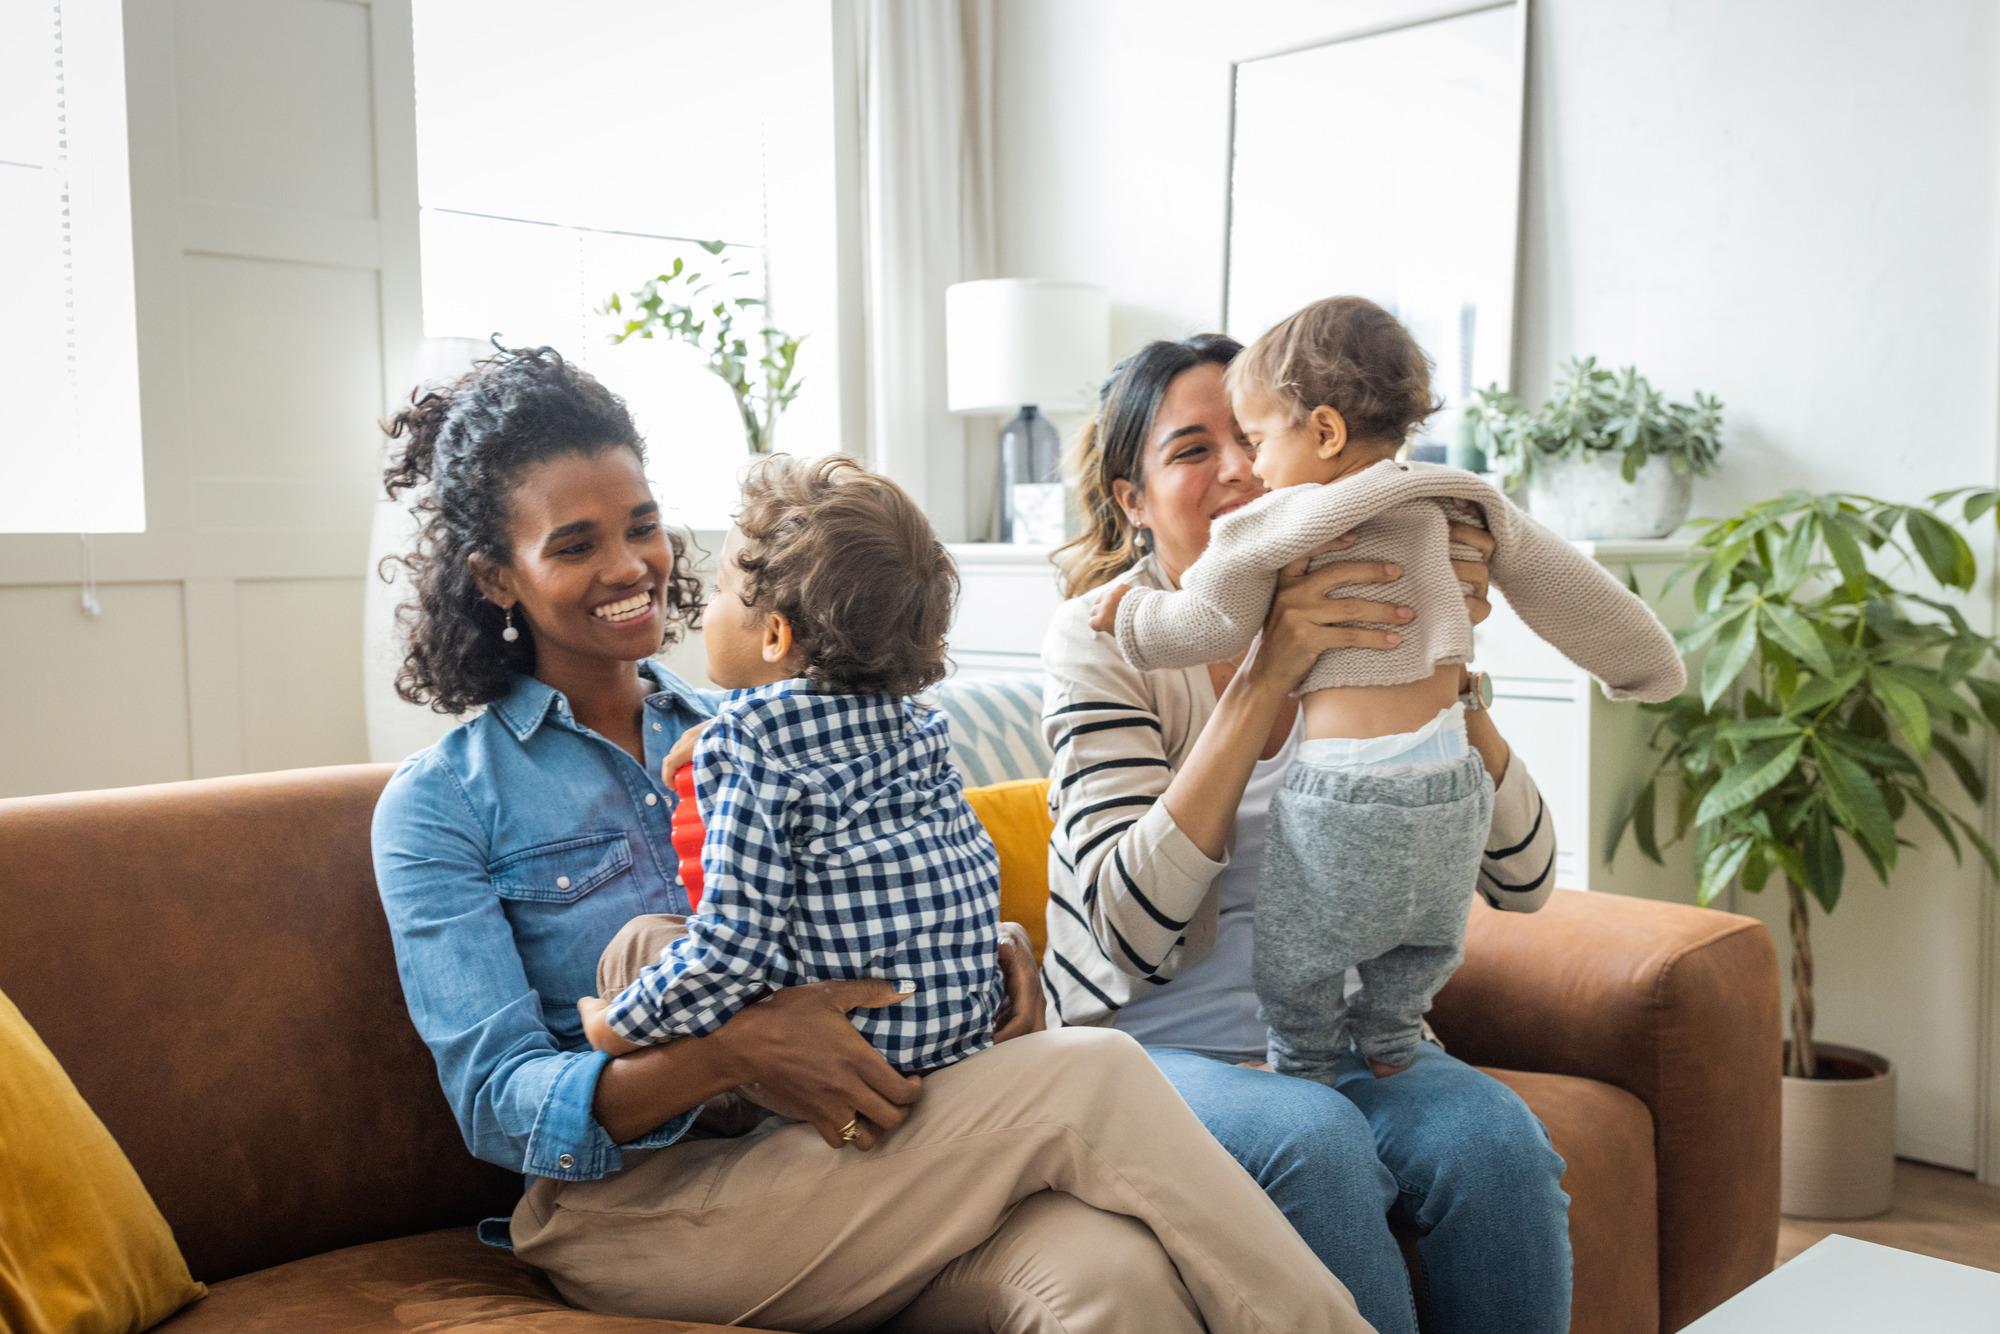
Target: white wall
(1791,204)
(275,239)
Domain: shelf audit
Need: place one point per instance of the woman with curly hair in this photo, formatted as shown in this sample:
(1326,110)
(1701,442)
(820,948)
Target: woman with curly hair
(1040,1187)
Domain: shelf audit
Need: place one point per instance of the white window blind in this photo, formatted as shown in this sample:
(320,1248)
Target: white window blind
(569,152)
(69,379)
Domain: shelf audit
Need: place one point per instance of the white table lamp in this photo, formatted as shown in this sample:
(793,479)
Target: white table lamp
(1021,345)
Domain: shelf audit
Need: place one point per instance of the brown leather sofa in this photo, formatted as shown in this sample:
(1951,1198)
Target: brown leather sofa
(209,962)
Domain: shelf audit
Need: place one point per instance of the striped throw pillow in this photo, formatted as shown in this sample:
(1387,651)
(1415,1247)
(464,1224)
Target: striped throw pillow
(996,725)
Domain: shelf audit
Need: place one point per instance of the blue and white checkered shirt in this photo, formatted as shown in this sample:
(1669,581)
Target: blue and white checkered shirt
(838,845)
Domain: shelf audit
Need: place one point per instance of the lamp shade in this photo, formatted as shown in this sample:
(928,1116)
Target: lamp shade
(1010,342)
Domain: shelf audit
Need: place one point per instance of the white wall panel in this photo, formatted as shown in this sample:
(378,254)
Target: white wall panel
(92,702)
(299,672)
(276,104)
(283,360)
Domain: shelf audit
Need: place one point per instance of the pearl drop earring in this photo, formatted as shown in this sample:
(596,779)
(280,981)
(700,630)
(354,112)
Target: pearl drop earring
(509,633)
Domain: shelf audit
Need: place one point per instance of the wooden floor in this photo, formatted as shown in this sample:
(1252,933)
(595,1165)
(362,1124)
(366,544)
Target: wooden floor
(1936,1212)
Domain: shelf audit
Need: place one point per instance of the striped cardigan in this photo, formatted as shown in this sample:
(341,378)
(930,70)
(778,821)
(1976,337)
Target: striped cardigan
(1131,898)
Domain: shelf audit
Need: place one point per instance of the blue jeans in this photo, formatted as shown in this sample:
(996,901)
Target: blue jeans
(1449,1151)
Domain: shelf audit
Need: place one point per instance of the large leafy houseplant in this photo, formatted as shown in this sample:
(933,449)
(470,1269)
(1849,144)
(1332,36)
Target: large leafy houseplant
(704,309)
(1593,410)
(1826,688)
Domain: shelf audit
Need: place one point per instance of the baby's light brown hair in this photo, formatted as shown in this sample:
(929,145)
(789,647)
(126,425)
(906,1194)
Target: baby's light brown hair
(849,559)
(1346,353)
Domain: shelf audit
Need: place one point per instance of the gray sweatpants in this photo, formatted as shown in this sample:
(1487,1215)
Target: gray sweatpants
(1374,868)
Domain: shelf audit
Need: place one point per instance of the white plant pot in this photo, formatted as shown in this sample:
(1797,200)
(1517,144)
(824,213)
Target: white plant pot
(1585,497)
(1838,1153)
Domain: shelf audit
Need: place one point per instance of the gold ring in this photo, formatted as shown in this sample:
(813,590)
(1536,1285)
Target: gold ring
(852,1130)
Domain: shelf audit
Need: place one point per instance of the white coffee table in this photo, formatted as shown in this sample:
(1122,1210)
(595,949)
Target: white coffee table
(1844,1286)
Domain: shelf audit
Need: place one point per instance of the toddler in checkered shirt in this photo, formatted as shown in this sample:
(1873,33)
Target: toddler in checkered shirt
(838,843)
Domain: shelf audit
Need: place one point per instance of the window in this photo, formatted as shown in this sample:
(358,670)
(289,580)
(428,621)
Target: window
(69,368)
(569,152)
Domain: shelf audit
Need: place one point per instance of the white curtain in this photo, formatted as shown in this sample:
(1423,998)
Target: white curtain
(924,81)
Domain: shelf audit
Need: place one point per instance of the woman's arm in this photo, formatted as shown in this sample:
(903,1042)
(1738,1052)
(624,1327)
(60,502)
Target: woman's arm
(520,1100)
(796,1046)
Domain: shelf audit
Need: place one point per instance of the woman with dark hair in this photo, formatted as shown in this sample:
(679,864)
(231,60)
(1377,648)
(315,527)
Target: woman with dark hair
(1161,785)
(1055,1183)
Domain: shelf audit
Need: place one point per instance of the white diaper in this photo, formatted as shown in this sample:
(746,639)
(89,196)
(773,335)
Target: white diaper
(1441,740)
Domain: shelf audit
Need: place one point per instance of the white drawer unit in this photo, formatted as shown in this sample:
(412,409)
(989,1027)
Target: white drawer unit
(1007,595)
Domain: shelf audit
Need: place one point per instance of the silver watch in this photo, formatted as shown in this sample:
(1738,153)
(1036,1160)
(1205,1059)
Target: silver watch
(1478,692)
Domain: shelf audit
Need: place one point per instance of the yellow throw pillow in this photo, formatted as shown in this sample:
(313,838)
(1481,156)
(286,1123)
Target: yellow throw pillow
(83,1248)
(1016,815)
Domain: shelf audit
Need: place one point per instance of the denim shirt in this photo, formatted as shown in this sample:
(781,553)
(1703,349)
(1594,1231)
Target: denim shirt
(507,856)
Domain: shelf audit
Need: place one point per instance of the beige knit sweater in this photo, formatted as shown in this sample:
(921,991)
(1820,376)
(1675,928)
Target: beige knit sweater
(1399,511)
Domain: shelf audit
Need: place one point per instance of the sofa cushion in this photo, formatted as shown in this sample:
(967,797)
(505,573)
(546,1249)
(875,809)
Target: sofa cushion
(1605,1136)
(435,1281)
(83,1248)
(1016,816)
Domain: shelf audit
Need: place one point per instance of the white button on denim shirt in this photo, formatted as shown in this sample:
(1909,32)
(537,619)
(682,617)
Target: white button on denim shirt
(507,856)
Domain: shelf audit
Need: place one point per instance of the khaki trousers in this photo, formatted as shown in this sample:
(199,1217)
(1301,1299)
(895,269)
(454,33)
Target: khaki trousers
(1054,1183)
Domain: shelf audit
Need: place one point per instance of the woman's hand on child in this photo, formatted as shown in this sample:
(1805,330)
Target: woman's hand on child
(602,1036)
(796,1052)
(1305,621)
(681,753)
(1474,574)
(1104,610)
(1023,1011)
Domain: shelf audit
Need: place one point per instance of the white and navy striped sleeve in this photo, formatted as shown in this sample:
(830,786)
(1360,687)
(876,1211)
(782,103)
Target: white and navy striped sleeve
(1519,868)
(1132,879)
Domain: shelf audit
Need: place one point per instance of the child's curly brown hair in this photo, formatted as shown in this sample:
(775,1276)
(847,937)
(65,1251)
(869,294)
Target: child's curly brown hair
(849,559)
(1346,353)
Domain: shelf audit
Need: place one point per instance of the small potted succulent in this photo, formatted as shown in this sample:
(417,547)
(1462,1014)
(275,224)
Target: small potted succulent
(1606,457)
(1827,686)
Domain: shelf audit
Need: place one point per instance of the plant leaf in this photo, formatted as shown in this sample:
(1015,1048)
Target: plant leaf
(1857,802)
(1968,777)
(1643,827)
(1979,844)
(1720,866)
(1708,625)
(1935,814)
(1758,729)
(1749,779)
(1726,661)
(1948,555)
(1822,691)
(1794,556)
(1846,549)
(1820,855)
(1790,629)
(1987,692)
(1906,708)
(1881,754)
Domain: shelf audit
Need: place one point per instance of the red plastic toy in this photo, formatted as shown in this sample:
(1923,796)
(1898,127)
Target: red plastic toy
(687,835)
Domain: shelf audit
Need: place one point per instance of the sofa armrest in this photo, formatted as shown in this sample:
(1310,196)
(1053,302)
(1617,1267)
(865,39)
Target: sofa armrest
(1678,1006)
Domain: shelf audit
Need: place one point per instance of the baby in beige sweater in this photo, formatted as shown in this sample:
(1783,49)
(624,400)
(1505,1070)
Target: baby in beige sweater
(1326,399)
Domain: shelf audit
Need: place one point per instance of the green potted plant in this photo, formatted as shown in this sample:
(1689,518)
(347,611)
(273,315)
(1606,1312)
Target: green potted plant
(1826,687)
(703,310)
(1606,456)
